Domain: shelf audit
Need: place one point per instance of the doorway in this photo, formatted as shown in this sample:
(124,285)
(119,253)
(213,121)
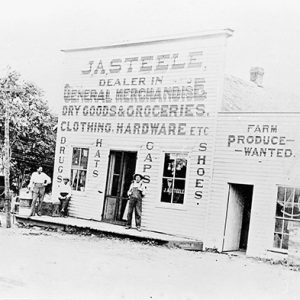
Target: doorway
(237,219)
(121,168)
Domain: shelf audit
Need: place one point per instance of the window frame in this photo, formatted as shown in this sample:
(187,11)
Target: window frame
(171,204)
(286,218)
(78,168)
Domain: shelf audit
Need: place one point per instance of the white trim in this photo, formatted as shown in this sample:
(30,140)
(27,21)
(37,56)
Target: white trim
(227,32)
(278,250)
(171,208)
(87,168)
(167,205)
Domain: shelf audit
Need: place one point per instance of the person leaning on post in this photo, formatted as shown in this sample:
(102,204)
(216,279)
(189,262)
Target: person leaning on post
(136,192)
(64,197)
(38,182)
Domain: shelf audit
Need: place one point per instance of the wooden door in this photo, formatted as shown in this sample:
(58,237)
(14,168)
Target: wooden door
(234,220)
(121,168)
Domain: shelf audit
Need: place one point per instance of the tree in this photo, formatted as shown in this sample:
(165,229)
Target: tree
(32,128)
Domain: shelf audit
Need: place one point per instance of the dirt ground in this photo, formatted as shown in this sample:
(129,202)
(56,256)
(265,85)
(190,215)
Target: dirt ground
(38,264)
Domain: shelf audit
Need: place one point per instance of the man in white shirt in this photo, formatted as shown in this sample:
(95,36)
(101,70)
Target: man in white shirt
(38,182)
(64,197)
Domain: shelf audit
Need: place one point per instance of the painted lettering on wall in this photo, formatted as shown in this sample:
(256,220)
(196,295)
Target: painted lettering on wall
(201,170)
(97,158)
(148,63)
(153,128)
(61,158)
(147,162)
(187,91)
(155,88)
(262,141)
(145,89)
(136,111)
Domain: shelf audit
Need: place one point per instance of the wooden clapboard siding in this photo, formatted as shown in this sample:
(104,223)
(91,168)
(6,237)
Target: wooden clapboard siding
(188,219)
(264,173)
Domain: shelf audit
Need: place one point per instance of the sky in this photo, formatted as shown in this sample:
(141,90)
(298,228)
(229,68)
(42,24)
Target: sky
(266,34)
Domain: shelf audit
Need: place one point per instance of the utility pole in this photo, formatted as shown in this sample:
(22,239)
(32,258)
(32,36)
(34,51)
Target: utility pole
(7,203)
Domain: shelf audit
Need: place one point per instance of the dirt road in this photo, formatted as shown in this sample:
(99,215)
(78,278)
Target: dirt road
(38,264)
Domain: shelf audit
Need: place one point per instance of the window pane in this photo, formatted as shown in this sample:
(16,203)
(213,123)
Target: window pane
(280,194)
(278,225)
(288,209)
(167,189)
(114,188)
(297,196)
(117,167)
(277,240)
(84,158)
(76,156)
(285,227)
(296,207)
(289,194)
(180,167)
(178,191)
(81,180)
(285,241)
(279,209)
(288,203)
(169,166)
(129,170)
(74,179)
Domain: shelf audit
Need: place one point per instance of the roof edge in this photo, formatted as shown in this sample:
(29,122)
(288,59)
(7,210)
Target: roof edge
(227,32)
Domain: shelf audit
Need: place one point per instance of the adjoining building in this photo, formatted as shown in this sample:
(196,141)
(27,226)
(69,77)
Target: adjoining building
(256,180)
(214,165)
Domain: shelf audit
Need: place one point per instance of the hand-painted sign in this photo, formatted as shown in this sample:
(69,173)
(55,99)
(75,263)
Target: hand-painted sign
(261,141)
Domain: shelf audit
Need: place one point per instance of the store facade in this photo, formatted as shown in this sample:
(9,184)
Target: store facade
(147,107)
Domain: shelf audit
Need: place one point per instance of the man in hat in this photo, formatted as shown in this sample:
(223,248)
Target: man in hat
(136,193)
(38,182)
(64,196)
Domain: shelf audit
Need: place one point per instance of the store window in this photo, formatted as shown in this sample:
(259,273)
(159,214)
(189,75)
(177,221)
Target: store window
(79,168)
(287,212)
(174,175)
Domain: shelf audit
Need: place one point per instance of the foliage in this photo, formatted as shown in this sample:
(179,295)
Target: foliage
(32,127)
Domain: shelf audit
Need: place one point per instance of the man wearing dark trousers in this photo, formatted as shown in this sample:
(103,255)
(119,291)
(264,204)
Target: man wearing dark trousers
(38,182)
(64,196)
(136,193)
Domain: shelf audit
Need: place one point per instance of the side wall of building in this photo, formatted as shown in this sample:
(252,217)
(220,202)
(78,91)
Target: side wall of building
(258,149)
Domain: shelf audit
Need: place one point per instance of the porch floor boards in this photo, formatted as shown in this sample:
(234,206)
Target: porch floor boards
(112,229)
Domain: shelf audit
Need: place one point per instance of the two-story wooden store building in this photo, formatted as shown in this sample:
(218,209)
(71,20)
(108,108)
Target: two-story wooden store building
(162,108)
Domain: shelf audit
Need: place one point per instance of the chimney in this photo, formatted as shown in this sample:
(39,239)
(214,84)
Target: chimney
(256,75)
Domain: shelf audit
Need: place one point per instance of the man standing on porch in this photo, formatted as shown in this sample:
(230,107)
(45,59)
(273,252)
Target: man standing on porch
(38,182)
(136,193)
(65,193)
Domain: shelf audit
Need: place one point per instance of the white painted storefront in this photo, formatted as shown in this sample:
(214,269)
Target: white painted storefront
(152,103)
(151,107)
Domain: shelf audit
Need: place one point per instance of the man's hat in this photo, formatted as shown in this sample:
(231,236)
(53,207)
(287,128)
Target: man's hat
(137,174)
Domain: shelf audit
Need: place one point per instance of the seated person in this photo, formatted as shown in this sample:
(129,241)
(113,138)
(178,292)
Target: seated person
(64,196)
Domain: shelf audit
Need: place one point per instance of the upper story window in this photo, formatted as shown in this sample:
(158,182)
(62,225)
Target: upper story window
(79,168)
(287,212)
(174,176)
